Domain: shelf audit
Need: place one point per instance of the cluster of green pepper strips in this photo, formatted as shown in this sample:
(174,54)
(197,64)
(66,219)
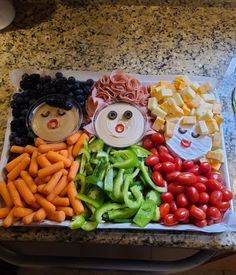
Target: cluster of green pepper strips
(111,183)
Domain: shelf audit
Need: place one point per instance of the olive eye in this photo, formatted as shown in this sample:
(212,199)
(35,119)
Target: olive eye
(194,135)
(128,114)
(112,115)
(182,131)
(61,112)
(45,114)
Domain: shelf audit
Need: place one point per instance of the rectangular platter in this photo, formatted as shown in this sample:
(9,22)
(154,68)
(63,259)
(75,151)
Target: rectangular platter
(229,221)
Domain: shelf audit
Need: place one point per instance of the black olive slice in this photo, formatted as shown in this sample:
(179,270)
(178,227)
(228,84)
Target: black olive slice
(128,114)
(195,135)
(182,131)
(112,115)
(45,114)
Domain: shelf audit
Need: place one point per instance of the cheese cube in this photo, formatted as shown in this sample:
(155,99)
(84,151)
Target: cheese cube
(158,112)
(203,159)
(180,84)
(165,106)
(210,97)
(202,128)
(165,93)
(208,115)
(204,88)
(171,117)
(194,86)
(208,106)
(216,155)
(189,120)
(186,110)
(219,119)
(158,124)
(178,99)
(174,109)
(215,164)
(152,103)
(156,93)
(212,126)
(217,108)
(188,94)
(216,140)
(203,109)
(196,101)
(192,113)
(170,128)
(163,84)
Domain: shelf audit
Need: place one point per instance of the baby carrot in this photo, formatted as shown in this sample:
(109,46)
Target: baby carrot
(58,188)
(15,172)
(64,153)
(24,191)
(44,148)
(70,154)
(64,192)
(4,212)
(47,171)
(20,212)
(29,181)
(73,170)
(67,210)
(57,216)
(59,201)
(8,221)
(28,219)
(64,172)
(43,162)
(30,149)
(75,202)
(53,182)
(5,194)
(48,206)
(15,196)
(71,140)
(38,141)
(47,178)
(35,206)
(55,157)
(12,164)
(41,188)
(39,181)
(17,149)
(79,144)
(40,215)
(33,168)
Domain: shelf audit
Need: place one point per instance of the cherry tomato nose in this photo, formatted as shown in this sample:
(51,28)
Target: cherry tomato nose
(53,124)
(186,143)
(120,128)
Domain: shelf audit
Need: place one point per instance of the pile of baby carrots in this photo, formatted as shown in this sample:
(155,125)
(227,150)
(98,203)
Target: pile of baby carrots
(40,182)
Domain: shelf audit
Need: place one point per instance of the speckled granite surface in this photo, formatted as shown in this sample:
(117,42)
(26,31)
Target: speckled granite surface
(148,37)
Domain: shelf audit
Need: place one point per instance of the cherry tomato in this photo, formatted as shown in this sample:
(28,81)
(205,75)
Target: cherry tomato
(181,214)
(151,160)
(205,167)
(168,167)
(167,197)
(227,195)
(202,179)
(173,207)
(186,178)
(216,197)
(200,223)
(182,200)
(187,164)
(147,143)
(169,220)
(162,148)
(223,206)
(157,138)
(172,176)
(195,170)
(166,157)
(203,197)
(203,207)
(154,151)
(210,221)
(175,188)
(157,178)
(213,213)
(192,194)
(197,213)
(178,164)
(164,209)
(157,167)
(214,185)
(215,176)
(201,187)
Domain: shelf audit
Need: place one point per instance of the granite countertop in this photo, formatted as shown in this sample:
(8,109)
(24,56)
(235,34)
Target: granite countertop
(147,37)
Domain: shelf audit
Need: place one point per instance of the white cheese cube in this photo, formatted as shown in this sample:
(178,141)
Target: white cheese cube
(186,110)
(204,88)
(216,140)
(152,103)
(165,93)
(203,130)
(194,103)
(174,109)
(209,97)
(216,155)
(178,99)
(189,120)
(208,115)
(217,108)
(188,94)
(158,124)
(158,112)
(170,128)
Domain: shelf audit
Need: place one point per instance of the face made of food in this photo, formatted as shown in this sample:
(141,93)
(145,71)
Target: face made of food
(187,143)
(53,123)
(120,124)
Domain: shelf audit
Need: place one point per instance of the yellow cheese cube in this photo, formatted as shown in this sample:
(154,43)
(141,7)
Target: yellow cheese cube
(202,128)
(158,124)
(216,155)
(203,109)
(208,115)
(212,126)
(204,88)
(163,84)
(188,120)
(219,119)
(216,140)
(194,86)
(174,109)
(170,127)
(188,94)
(158,112)
(152,103)
(194,103)
(179,83)
(165,106)
(165,93)
(172,117)
(215,164)
(186,110)
(178,99)
(156,93)
(209,97)
(217,108)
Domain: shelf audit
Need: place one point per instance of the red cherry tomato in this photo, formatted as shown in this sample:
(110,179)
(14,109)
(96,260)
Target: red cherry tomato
(147,143)
(154,151)
(203,197)
(157,178)
(201,187)
(164,209)
(172,176)
(202,179)
(157,138)
(192,194)
(168,167)
(166,157)
(175,188)
(195,170)
(227,195)
(167,197)
(181,200)
(197,213)
(181,214)
(210,221)
(214,185)
(186,178)
(223,206)
(215,176)
(178,164)
(151,160)
(169,220)
(187,164)
(173,207)
(213,213)
(162,148)
(205,168)
(201,223)
(216,197)
(157,167)
(203,207)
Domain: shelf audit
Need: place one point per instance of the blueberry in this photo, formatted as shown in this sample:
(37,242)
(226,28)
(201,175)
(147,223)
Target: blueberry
(59,75)
(12,136)
(71,80)
(31,135)
(34,77)
(24,112)
(17,141)
(80,98)
(47,78)
(24,76)
(79,92)
(16,113)
(82,103)
(90,82)
(53,91)
(68,105)
(72,87)
(16,95)
(26,84)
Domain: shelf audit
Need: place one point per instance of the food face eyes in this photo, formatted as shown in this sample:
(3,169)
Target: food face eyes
(126,115)
(184,131)
(112,115)
(59,112)
(45,114)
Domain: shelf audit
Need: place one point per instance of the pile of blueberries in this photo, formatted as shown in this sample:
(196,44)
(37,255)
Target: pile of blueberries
(32,88)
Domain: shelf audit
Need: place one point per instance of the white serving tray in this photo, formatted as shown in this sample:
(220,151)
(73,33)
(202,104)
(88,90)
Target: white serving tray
(229,221)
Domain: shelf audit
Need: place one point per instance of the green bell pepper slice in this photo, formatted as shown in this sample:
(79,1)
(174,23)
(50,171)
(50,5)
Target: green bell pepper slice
(123,213)
(96,145)
(124,159)
(118,182)
(87,199)
(77,222)
(108,181)
(157,215)
(96,194)
(105,208)
(80,178)
(94,180)
(122,220)
(89,226)
(135,191)
(140,151)
(155,196)
(145,213)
